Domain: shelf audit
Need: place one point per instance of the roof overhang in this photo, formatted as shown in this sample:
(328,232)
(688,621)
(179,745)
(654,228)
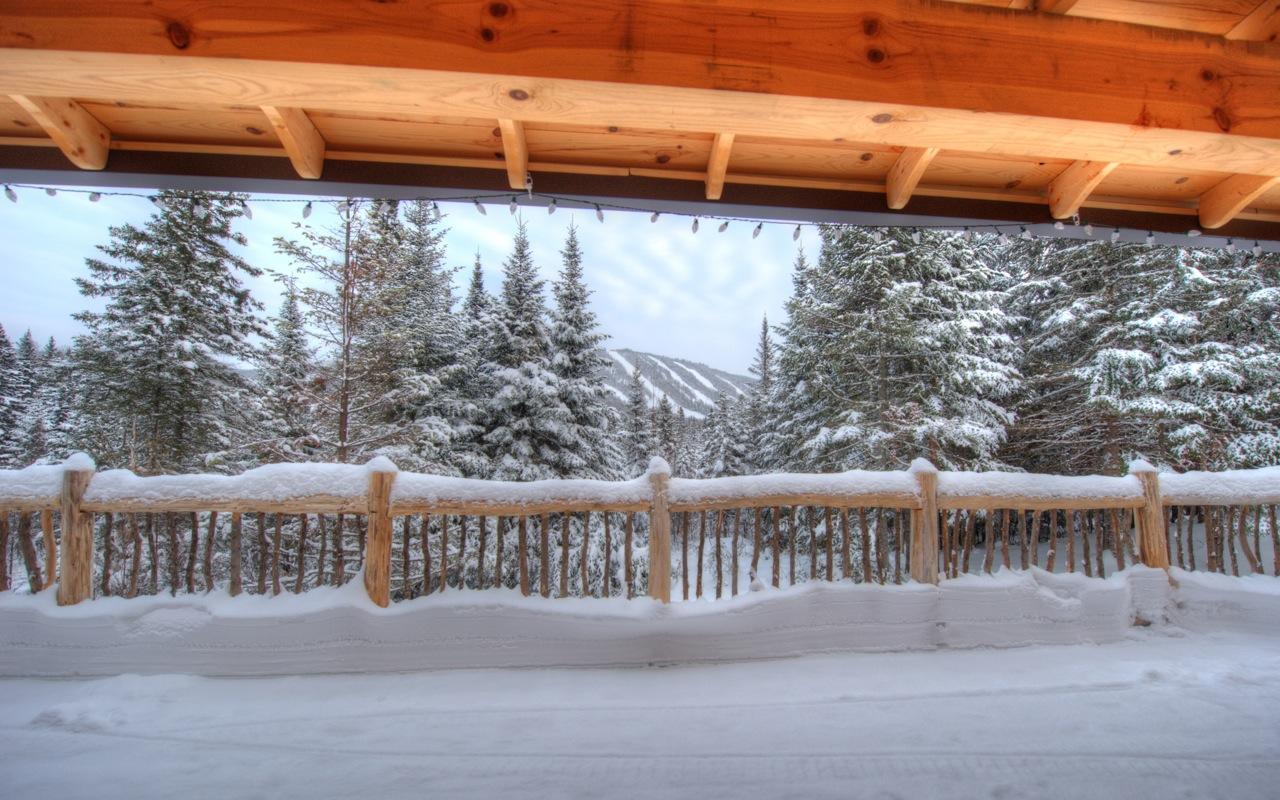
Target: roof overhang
(800,108)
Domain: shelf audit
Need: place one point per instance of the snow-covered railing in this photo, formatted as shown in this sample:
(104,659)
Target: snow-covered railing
(856,525)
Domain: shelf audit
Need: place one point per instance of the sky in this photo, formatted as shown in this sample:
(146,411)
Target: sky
(656,287)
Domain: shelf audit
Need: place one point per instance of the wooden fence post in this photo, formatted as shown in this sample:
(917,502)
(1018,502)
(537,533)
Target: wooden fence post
(924,528)
(377,545)
(77,532)
(1153,546)
(659,532)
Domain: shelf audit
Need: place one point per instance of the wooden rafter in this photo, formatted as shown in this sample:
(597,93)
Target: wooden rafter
(1261,25)
(718,164)
(1071,188)
(82,139)
(515,152)
(905,174)
(300,139)
(1222,203)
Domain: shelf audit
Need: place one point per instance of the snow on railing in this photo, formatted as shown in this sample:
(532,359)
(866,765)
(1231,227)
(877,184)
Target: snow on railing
(936,520)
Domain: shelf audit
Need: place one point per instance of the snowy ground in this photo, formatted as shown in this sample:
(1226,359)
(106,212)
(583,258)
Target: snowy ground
(1159,715)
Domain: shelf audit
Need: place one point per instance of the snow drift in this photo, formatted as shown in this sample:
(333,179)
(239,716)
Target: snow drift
(340,630)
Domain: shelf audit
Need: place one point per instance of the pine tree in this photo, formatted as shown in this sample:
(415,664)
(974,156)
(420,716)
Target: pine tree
(725,447)
(527,422)
(636,434)
(476,356)
(664,431)
(27,431)
(590,450)
(8,401)
(289,426)
(758,418)
(156,363)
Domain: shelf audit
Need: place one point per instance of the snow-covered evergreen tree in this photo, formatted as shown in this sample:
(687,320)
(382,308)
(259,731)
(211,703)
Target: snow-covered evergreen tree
(289,426)
(156,362)
(527,431)
(590,450)
(636,435)
(8,402)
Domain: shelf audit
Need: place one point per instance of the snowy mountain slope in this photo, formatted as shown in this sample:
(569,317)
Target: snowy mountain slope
(687,384)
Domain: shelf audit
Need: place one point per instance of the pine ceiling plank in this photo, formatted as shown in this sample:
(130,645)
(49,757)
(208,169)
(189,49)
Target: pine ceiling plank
(783,70)
(1142,183)
(844,161)
(1222,203)
(300,139)
(1070,189)
(718,164)
(240,125)
(85,141)
(905,174)
(1262,24)
(515,152)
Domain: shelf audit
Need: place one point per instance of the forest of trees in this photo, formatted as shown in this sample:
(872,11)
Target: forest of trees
(1054,355)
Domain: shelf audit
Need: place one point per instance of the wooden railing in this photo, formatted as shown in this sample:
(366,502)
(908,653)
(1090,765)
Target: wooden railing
(860,526)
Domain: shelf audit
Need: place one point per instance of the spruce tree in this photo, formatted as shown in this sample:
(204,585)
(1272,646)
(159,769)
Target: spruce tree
(156,362)
(636,434)
(576,361)
(289,427)
(527,430)
(8,403)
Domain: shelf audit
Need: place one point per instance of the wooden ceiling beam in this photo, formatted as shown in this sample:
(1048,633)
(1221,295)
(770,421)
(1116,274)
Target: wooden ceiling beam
(1073,186)
(718,164)
(300,139)
(1222,203)
(84,140)
(515,152)
(373,91)
(905,174)
(886,65)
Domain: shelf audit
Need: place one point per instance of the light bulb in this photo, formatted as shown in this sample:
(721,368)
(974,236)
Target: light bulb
(724,226)
(756,231)
(1231,246)
(1004,237)
(694,227)
(306,210)
(1088,230)
(915,235)
(1115,236)
(1257,250)
(10,193)
(599,214)
(1151,238)
(653,217)
(52,192)
(248,212)
(795,236)
(480,207)
(1025,235)
(1059,225)
(1193,233)
(514,207)
(94,197)
(551,207)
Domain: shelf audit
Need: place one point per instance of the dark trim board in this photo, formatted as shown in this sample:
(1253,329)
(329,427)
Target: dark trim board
(129,169)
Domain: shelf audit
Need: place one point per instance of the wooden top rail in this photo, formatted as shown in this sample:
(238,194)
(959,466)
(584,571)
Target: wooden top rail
(282,489)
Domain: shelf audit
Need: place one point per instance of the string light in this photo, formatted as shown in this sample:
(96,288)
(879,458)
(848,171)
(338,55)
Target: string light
(528,184)
(915,232)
